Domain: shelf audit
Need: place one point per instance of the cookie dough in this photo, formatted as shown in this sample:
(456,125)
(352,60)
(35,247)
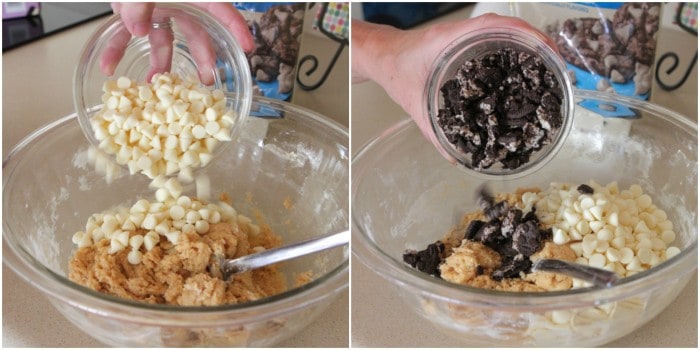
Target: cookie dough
(472,263)
(589,224)
(181,274)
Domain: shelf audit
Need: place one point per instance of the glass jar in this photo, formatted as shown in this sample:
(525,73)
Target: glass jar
(475,45)
(230,71)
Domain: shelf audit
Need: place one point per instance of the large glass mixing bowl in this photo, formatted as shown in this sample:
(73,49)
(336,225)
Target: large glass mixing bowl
(404,195)
(290,166)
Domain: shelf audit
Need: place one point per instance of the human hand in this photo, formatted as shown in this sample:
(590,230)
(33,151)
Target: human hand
(138,21)
(401,61)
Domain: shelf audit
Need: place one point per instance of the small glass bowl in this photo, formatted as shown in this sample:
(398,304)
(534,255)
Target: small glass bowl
(231,71)
(476,44)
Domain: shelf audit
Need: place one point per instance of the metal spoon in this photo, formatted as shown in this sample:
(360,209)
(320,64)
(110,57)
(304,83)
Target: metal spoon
(230,267)
(599,277)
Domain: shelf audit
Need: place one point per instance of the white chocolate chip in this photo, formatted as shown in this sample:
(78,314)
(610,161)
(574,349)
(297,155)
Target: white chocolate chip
(134,257)
(122,237)
(201,226)
(188,228)
(203,186)
(597,260)
(204,213)
(668,236)
(227,211)
(135,242)
(215,217)
(144,118)
(123,83)
(185,174)
(559,236)
(149,222)
(254,230)
(671,252)
(177,212)
(162,228)
(561,316)
(211,114)
(162,194)
(192,216)
(626,255)
(173,236)
(115,246)
(77,237)
(184,202)
(141,206)
(644,255)
(173,187)
(150,240)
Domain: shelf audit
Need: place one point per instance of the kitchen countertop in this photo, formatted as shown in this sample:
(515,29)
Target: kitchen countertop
(380,318)
(37,89)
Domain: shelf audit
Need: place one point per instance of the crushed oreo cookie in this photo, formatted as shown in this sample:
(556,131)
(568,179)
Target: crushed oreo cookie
(514,236)
(427,260)
(584,189)
(502,108)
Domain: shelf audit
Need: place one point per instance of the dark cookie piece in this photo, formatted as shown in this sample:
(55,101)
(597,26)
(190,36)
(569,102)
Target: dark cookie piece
(484,198)
(530,216)
(514,236)
(501,108)
(489,234)
(585,189)
(510,221)
(472,229)
(512,268)
(526,238)
(496,211)
(427,260)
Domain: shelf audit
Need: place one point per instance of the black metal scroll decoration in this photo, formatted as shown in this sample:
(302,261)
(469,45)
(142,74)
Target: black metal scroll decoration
(314,61)
(675,58)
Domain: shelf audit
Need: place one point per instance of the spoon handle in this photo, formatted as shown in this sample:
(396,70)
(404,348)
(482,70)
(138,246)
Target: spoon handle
(271,256)
(599,277)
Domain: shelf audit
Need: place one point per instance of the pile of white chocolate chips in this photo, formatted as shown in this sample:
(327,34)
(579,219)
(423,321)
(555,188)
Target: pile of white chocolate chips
(621,231)
(170,126)
(169,216)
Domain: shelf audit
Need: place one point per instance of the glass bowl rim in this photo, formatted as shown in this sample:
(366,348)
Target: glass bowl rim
(399,274)
(44,279)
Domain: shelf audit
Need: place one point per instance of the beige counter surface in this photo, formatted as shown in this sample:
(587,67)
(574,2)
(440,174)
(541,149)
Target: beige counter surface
(37,89)
(381,319)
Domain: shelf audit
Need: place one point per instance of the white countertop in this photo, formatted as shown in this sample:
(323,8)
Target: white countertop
(37,89)
(380,318)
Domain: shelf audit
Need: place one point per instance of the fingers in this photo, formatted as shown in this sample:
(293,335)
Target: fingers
(161,42)
(201,48)
(136,17)
(114,51)
(494,21)
(137,20)
(232,20)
